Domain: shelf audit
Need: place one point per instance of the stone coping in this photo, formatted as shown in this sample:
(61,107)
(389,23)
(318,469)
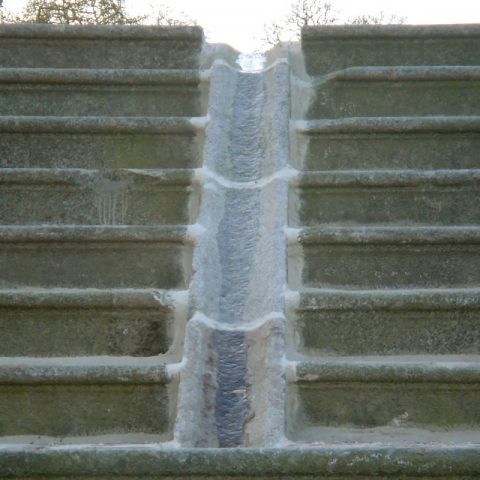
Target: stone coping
(408,369)
(111,32)
(129,125)
(385,178)
(373,125)
(93,233)
(100,76)
(387,235)
(400,74)
(356,32)
(81,371)
(72,176)
(156,299)
(413,299)
(309,460)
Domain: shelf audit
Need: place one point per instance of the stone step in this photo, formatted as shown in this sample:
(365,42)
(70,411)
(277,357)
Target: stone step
(71,92)
(396,91)
(84,396)
(100,142)
(90,322)
(294,462)
(384,322)
(387,143)
(106,197)
(408,197)
(107,46)
(95,257)
(433,394)
(335,47)
(384,257)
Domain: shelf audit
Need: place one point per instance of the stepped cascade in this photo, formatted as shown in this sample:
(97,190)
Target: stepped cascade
(213,273)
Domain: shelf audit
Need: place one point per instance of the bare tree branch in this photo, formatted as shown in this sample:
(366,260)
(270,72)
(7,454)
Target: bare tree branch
(316,12)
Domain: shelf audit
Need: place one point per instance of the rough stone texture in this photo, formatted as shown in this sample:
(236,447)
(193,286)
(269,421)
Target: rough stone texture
(386,323)
(388,143)
(99,132)
(388,198)
(100,143)
(334,47)
(91,197)
(61,323)
(81,92)
(278,463)
(93,257)
(384,253)
(58,398)
(319,303)
(397,91)
(46,46)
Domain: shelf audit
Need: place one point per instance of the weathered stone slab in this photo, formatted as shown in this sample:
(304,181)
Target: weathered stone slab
(88,142)
(364,396)
(71,92)
(252,463)
(386,323)
(114,197)
(387,142)
(386,258)
(396,91)
(335,47)
(94,257)
(108,46)
(65,399)
(379,197)
(62,323)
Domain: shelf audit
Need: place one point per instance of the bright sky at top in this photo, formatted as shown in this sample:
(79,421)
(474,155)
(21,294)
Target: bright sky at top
(240,22)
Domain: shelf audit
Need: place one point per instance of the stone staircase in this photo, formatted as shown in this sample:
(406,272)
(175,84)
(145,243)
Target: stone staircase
(209,273)
(384,262)
(98,145)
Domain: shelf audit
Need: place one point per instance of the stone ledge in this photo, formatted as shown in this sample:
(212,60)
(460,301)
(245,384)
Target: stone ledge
(408,369)
(388,235)
(91,298)
(357,32)
(293,462)
(100,76)
(414,299)
(82,371)
(72,176)
(373,125)
(95,234)
(145,125)
(112,32)
(386,178)
(400,74)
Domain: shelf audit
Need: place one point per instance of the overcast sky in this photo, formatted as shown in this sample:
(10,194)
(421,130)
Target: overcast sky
(240,22)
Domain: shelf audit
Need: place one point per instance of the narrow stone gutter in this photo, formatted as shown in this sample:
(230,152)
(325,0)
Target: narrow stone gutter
(232,385)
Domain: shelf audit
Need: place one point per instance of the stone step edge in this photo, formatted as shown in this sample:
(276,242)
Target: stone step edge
(100,76)
(397,125)
(408,369)
(72,176)
(383,235)
(380,32)
(310,461)
(99,125)
(82,371)
(96,234)
(107,32)
(385,178)
(412,299)
(92,298)
(397,74)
